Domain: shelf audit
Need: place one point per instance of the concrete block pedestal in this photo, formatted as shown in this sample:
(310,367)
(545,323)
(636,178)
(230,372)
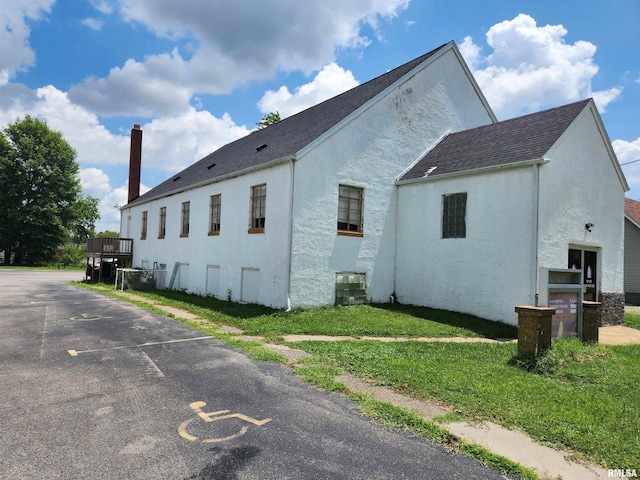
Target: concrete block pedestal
(591,318)
(534,329)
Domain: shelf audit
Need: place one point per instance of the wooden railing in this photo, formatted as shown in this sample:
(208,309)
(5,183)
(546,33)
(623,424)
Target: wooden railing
(106,246)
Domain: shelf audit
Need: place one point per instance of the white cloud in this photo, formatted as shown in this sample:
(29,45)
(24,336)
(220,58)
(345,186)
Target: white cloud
(15,52)
(329,82)
(93,23)
(628,152)
(158,86)
(532,67)
(109,208)
(94,182)
(173,143)
(169,143)
(234,44)
(103,6)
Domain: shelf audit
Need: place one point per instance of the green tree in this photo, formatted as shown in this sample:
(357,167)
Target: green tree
(39,192)
(86,215)
(107,233)
(268,119)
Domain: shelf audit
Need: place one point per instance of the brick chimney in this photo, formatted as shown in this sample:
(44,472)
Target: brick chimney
(135,162)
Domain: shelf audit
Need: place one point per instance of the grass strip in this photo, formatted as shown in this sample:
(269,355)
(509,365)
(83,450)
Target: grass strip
(582,398)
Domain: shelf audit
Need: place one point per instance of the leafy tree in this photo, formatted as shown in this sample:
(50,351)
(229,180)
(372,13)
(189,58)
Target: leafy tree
(39,193)
(83,228)
(268,119)
(107,233)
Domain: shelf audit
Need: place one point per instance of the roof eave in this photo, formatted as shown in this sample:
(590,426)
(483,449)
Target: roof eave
(632,220)
(238,173)
(475,171)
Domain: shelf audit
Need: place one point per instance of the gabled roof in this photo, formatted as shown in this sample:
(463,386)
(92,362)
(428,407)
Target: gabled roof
(516,140)
(632,210)
(283,139)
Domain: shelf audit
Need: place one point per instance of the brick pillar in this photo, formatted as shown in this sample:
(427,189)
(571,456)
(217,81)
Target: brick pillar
(534,329)
(591,317)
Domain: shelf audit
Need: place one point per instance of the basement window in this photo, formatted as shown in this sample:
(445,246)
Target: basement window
(351,288)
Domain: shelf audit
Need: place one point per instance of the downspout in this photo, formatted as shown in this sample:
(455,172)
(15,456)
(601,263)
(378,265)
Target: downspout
(394,294)
(535,228)
(292,170)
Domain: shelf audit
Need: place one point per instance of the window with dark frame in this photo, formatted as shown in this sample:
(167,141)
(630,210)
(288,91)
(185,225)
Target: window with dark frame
(454,213)
(162,229)
(184,223)
(350,209)
(215,204)
(143,232)
(258,208)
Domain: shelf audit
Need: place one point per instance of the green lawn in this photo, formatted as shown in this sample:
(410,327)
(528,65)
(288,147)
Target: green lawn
(383,320)
(582,398)
(632,320)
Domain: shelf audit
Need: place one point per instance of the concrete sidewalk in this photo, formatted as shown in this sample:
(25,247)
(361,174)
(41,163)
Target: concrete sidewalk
(516,446)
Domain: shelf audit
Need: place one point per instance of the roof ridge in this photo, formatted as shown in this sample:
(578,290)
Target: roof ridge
(284,138)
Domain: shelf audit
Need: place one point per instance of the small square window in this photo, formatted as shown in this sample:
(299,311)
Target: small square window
(454,213)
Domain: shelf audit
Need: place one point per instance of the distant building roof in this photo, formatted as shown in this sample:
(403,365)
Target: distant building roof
(516,140)
(281,139)
(632,210)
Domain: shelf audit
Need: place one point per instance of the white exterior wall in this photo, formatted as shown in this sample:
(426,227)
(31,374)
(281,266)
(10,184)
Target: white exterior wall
(233,249)
(370,152)
(487,273)
(580,185)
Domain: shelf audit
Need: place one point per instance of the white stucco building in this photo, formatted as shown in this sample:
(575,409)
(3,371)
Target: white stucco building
(405,186)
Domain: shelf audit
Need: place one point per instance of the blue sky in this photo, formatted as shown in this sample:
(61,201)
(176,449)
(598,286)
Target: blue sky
(200,73)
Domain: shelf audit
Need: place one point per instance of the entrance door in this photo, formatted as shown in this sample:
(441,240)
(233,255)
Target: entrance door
(587,260)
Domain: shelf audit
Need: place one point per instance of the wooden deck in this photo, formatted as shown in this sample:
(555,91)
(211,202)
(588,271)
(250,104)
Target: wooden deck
(113,251)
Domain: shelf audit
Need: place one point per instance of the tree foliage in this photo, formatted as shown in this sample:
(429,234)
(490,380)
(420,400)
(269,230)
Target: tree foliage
(268,119)
(42,207)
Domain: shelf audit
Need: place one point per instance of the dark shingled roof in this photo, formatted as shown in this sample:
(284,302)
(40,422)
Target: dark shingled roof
(516,140)
(282,139)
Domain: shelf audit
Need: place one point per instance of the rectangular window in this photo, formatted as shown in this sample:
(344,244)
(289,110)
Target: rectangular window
(215,204)
(184,223)
(258,208)
(350,208)
(143,233)
(454,213)
(162,229)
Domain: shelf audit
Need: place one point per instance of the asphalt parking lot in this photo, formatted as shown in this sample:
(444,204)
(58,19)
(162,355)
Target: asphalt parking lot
(97,388)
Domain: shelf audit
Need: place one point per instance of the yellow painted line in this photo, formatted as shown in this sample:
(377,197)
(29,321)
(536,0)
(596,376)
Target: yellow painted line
(75,353)
(182,430)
